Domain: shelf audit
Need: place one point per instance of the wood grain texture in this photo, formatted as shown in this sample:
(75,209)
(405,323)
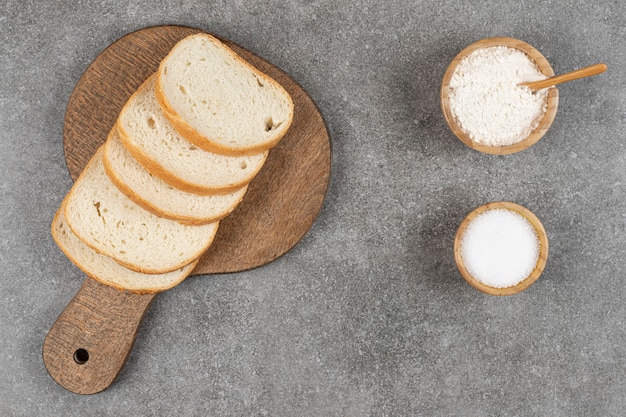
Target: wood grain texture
(552,99)
(543,248)
(280,206)
(102,321)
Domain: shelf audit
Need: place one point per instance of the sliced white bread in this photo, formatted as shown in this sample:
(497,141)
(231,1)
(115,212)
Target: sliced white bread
(106,270)
(154,143)
(220,102)
(109,222)
(158,197)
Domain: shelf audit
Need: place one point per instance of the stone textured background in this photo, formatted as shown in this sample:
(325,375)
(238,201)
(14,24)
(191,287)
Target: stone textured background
(368,314)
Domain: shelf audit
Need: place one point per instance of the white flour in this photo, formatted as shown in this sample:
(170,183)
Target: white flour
(487,101)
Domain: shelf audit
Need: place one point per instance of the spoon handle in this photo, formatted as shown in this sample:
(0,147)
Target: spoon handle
(568,76)
(87,346)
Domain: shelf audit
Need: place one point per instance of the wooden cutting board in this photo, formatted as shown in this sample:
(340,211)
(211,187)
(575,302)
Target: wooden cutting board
(88,344)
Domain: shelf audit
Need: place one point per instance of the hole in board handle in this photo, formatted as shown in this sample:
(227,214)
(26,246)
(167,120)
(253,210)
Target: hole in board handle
(81,356)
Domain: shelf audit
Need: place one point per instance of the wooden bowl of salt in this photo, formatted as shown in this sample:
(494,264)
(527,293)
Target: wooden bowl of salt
(483,103)
(501,248)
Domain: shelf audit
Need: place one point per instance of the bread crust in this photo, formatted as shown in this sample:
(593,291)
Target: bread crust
(142,290)
(209,144)
(137,268)
(156,169)
(146,205)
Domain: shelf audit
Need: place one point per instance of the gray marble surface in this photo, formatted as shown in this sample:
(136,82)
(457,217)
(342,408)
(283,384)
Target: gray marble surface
(367,316)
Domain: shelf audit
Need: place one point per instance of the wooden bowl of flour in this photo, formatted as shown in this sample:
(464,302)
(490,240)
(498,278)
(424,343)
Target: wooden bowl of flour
(552,98)
(503,247)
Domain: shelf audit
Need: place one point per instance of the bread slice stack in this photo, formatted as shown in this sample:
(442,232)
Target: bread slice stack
(179,159)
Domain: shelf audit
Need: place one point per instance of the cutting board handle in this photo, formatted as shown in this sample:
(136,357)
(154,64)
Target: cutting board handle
(88,344)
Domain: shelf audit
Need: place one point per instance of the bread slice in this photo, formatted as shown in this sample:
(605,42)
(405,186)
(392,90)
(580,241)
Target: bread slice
(158,197)
(155,144)
(106,270)
(107,221)
(220,102)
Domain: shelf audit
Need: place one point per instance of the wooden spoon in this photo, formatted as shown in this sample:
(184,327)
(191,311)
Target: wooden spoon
(568,76)
(552,99)
(87,346)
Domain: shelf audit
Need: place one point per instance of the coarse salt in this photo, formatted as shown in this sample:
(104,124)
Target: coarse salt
(488,103)
(500,248)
